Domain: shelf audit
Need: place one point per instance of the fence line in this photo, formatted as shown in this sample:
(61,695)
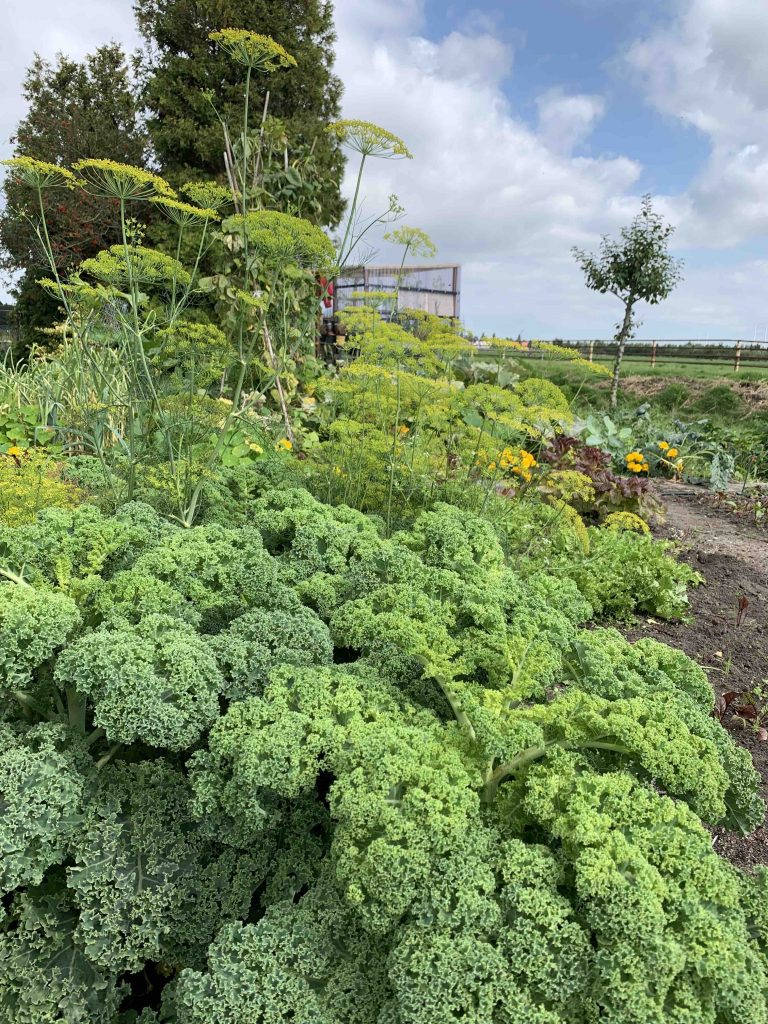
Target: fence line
(742,356)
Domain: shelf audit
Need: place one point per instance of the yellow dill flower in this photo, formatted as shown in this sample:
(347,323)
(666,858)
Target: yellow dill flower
(369,139)
(492,466)
(38,173)
(121,181)
(140,265)
(416,241)
(618,521)
(280,238)
(257,52)
(664,445)
(207,194)
(182,213)
(285,444)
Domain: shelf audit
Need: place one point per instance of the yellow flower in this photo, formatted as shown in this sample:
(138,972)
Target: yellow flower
(635,457)
(644,467)
(672,453)
(121,181)
(38,173)
(255,447)
(14,450)
(663,445)
(402,429)
(634,467)
(285,444)
(208,194)
(182,213)
(505,464)
(260,53)
(369,139)
(492,466)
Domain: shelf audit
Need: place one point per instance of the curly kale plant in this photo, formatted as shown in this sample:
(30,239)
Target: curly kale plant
(295,773)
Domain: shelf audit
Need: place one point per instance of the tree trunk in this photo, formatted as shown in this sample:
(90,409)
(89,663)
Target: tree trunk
(621,337)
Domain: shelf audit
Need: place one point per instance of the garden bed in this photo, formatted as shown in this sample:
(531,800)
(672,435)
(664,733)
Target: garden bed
(732,555)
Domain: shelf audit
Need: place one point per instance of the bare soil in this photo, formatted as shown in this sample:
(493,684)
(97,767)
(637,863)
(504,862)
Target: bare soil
(731,645)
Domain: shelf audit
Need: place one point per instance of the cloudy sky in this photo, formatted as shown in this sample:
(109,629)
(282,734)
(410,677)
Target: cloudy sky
(537,125)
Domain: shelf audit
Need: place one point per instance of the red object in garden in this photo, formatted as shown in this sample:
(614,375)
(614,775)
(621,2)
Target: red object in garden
(326,291)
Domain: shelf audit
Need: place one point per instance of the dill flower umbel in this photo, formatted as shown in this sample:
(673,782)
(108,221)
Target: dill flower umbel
(369,139)
(416,241)
(280,238)
(182,213)
(121,181)
(142,265)
(39,174)
(257,52)
(207,194)
(618,521)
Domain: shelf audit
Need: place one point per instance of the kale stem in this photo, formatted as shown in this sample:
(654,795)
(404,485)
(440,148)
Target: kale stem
(94,736)
(109,755)
(30,708)
(536,753)
(75,709)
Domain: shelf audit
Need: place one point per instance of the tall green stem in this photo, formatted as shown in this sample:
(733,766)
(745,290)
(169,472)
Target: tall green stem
(352,210)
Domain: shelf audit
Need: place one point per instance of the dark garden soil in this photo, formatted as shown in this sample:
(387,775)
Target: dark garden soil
(726,635)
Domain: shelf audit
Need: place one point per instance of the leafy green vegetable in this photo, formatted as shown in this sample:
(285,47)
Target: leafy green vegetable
(291,771)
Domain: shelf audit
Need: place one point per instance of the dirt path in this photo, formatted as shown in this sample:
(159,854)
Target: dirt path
(727,637)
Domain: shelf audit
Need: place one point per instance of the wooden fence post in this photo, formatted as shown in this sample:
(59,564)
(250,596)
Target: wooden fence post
(591,350)
(653,353)
(737,357)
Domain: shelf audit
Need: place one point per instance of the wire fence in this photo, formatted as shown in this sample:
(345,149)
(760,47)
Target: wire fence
(735,357)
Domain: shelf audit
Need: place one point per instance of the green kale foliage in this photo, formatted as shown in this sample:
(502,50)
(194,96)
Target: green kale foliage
(291,772)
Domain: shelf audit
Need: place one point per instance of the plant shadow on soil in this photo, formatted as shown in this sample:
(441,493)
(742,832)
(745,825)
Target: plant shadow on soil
(732,646)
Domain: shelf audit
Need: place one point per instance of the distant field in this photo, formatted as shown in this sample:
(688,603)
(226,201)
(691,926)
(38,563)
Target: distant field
(640,366)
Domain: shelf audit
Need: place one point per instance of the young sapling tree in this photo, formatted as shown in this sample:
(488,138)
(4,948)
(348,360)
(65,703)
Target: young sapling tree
(636,267)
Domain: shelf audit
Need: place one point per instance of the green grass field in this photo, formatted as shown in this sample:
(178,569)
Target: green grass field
(640,366)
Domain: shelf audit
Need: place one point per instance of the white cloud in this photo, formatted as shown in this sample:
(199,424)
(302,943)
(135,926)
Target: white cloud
(499,196)
(707,68)
(508,200)
(565,121)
